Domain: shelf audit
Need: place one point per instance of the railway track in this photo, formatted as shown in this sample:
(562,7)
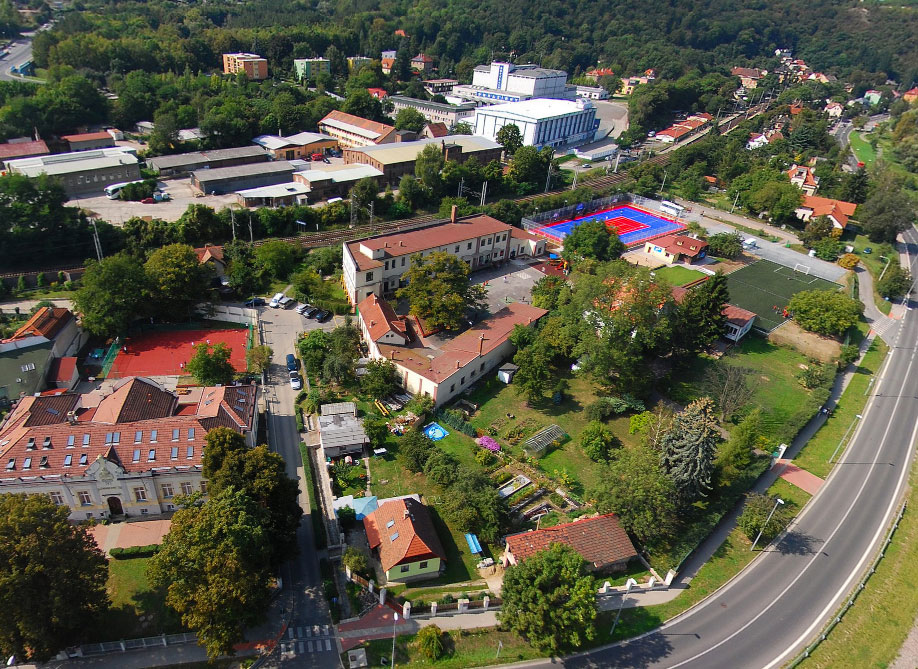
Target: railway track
(330,237)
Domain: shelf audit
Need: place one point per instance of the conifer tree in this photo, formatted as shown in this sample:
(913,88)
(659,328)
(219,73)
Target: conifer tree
(689,449)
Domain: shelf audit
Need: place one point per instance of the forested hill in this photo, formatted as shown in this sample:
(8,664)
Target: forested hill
(859,41)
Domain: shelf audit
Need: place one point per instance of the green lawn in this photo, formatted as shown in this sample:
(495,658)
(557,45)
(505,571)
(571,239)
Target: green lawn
(462,648)
(796,498)
(814,457)
(862,149)
(137,609)
(784,402)
(875,262)
(678,275)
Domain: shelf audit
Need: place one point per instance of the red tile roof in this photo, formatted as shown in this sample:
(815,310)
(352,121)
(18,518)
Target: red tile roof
(601,541)
(411,536)
(802,173)
(62,370)
(207,253)
(437,129)
(746,72)
(11,150)
(380,129)
(46,322)
(380,318)
(687,246)
(422,57)
(86,136)
(378,93)
(823,206)
(519,233)
(737,315)
(36,420)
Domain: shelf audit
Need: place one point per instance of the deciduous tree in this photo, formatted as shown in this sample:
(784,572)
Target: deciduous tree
(409,118)
(592,240)
(700,320)
(598,442)
(380,380)
(210,367)
(549,600)
(258,358)
(826,312)
(276,258)
(177,281)
(439,289)
(510,137)
(52,578)
(112,295)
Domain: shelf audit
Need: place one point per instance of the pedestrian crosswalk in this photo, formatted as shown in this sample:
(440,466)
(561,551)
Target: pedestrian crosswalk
(885,327)
(307,639)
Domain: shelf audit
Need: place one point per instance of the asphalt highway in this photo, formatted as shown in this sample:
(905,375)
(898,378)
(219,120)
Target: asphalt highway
(773,609)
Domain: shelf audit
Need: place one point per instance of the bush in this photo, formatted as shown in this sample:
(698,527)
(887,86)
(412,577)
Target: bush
(134,552)
(41,280)
(484,458)
(848,355)
(430,642)
(456,419)
(356,561)
(347,517)
(757,509)
(605,407)
(815,375)
(849,261)
(502,477)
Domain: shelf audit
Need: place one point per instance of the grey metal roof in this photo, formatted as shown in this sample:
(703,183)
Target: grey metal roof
(340,431)
(339,408)
(279,166)
(428,104)
(199,157)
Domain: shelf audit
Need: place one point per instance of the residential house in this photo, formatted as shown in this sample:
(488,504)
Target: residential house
(340,431)
(822,78)
(387,64)
(600,541)
(684,129)
(910,95)
(434,130)
(402,535)
(378,93)
(677,248)
(803,178)
(380,324)
(127,450)
(352,131)
(756,140)
(356,62)
(631,83)
(254,66)
(873,97)
(56,325)
(598,72)
(310,68)
(422,63)
(738,321)
(834,110)
(212,257)
(837,211)
(749,76)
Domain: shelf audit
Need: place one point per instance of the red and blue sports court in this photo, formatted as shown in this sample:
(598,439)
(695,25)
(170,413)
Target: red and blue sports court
(634,225)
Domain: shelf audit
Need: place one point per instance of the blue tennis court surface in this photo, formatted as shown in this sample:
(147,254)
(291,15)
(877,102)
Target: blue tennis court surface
(633,225)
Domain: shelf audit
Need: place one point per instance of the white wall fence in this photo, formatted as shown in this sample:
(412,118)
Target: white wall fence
(127,644)
(228,314)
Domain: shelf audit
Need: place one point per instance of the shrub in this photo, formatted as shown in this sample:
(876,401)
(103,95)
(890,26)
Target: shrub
(68,285)
(502,477)
(848,355)
(41,280)
(347,517)
(849,261)
(430,642)
(488,443)
(484,458)
(134,552)
(605,407)
(814,375)
(356,560)
(752,520)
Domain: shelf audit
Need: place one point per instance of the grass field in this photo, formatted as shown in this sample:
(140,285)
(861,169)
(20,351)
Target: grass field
(862,149)
(137,610)
(761,286)
(678,275)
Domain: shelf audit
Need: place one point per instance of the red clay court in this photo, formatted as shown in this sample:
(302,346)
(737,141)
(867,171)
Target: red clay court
(164,353)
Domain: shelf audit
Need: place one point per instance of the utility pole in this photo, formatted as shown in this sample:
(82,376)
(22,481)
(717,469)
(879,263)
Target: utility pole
(251,236)
(461,186)
(617,158)
(548,178)
(663,185)
(735,200)
(353,210)
(484,192)
(574,185)
(95,239)
(233,222)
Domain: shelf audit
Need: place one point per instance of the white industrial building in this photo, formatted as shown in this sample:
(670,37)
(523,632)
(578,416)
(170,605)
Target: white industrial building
(505,82)
(541,122)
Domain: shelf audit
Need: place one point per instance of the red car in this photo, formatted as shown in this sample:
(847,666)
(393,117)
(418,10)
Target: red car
(148,200)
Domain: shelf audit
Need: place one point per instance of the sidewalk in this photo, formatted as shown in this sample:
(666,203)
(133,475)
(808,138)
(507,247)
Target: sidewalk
(378,624)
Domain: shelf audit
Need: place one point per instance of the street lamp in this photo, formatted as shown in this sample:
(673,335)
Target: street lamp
(394,623)
(844,436)
(628,585)
(778,500)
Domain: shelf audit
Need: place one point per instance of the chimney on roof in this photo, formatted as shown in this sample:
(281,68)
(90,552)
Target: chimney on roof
(401,242)
(71,417)
(372,323)
(457,364)
(386,244)
(394,353)
(406,513)
(480,343)
(452,213)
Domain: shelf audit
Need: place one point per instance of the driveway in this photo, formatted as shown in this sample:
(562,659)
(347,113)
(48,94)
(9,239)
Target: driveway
(613,117)
(117,212)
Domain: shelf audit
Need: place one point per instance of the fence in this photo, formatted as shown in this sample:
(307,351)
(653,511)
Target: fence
(134,644)
(421,608)
(228,314)
(109,358)
(534,222)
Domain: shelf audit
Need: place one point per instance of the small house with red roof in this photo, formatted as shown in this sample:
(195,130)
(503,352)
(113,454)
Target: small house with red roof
(910,95)
(803,178)
(378,93)
(212,256)
(87,141)
(676,248)
(380,324)
(837,211)
(600,540)
(422,63)
(434,130)
(49,324)
(402,536)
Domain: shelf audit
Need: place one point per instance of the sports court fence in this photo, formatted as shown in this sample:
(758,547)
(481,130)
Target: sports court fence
(109,358)
(536,223)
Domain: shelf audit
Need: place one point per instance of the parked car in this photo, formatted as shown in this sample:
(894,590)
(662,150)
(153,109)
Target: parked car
(275,301)
(295,382)
(303,308)
(323,316)
(148,200)
(311,312)
(286,302)
(291,363)
(254,302)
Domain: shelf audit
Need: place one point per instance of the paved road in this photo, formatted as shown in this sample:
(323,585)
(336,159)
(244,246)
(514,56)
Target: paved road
(309,640)
(20,52)
(774,608)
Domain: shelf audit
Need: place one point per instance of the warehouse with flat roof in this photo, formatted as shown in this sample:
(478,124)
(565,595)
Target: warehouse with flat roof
(396,160)
(542,122)
(82,172)
(183,163)
(241,177)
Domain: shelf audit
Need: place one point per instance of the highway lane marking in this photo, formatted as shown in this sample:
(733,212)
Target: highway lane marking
(832,604)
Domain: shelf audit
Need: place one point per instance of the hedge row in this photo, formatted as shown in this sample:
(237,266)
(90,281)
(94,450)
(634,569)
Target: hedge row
(134,552)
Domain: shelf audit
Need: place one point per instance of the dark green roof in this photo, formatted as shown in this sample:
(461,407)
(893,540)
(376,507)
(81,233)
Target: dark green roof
(23,370)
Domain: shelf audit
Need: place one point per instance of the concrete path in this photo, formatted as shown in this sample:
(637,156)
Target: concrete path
(379,624)
(126,535)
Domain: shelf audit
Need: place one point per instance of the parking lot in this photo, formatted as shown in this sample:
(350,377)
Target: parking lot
(117,212)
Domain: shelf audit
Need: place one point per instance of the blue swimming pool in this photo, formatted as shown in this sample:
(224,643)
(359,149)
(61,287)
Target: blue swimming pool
(435,432)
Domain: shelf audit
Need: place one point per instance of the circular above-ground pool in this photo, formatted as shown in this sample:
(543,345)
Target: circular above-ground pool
(435,432)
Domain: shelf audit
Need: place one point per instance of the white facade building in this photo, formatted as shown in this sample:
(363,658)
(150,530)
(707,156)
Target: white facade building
(542,122)
(505,82)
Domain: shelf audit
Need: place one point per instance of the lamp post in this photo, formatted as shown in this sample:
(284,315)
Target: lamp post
(844,437)
(778,501)
(394,623)
(885,268)
(628,585)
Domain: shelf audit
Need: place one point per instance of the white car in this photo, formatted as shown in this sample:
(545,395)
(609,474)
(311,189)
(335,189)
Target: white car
(295,382)
(275,301)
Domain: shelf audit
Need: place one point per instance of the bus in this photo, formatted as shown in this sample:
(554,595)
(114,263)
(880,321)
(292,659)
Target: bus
(114,190)
(672,208)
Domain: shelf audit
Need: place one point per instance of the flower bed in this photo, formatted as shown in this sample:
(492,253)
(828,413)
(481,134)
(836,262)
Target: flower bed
(488,443)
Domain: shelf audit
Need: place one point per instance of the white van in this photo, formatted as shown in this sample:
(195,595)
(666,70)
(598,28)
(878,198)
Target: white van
(275,301)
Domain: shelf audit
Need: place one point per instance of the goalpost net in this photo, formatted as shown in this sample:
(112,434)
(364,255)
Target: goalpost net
(803,269)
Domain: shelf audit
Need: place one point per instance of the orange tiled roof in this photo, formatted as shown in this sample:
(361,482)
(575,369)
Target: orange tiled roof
(687,246)
(438,129)
(823,206)
(10,150)
(403,531)
(86,136)
(601,541)
(380,317)
(364,124)
(46,322)
(62,369)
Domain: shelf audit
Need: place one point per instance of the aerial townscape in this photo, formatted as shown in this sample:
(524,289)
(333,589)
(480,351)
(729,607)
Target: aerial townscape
(458,334)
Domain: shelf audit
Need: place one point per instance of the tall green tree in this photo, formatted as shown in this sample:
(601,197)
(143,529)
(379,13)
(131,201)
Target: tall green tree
(689,449)
(826,312)
(276,258)
(638,491)
(549,600)
(534,373)
(530,165)
(700,319)
(210,367)
(895,282)
(592,240)
(177,281)
(510,138)
(598,442)
(363,194)
(52,578)
(888,210)
(409,118)
(439,289)
(111,295)
(380,380)
(428,166)
(214,565)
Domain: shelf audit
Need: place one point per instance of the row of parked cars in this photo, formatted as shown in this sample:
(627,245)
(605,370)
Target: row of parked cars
(293,369)
(281,301)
